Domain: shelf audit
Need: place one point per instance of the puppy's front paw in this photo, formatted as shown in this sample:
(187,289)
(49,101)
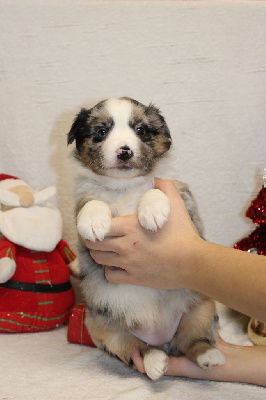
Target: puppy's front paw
(210,359)
(153,210)
(155,363)
(94,220)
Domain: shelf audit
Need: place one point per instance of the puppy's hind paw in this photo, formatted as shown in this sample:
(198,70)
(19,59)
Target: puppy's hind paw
(211,359)
(155,363)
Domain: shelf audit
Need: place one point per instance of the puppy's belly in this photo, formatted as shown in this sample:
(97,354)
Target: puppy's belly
(158,336)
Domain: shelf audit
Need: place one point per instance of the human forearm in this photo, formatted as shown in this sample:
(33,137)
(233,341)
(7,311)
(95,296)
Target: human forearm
(233,277)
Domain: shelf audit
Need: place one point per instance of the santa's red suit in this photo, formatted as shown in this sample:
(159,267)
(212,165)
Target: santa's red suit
(40,287)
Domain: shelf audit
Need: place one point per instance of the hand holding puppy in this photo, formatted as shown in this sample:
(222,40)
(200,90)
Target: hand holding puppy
(176,257)
(147,258)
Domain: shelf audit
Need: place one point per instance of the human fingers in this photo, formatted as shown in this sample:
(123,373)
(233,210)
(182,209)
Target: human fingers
(104,257)
(115,274)
(108,244)
(120,226)
(138,360)
(178,206)
(179,210)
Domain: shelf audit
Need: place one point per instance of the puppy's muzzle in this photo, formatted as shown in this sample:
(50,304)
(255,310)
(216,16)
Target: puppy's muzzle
(124,153)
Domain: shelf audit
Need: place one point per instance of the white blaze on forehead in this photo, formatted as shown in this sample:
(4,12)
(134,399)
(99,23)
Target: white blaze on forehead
(120,110)
(121,134)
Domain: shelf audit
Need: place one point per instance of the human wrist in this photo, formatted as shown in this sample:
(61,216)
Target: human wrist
(189,263)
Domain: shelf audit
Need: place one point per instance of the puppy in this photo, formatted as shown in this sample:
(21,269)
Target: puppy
(120,144)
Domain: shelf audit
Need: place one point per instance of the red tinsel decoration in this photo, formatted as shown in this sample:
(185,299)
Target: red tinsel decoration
(257,209)
(257,239)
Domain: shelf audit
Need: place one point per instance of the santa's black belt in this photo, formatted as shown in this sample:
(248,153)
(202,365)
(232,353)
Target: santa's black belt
(37,287)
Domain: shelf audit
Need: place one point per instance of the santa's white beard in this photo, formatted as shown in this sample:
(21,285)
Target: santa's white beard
(37,228)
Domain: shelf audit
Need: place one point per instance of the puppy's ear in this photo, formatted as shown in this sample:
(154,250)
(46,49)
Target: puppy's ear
(78,125)
(158,121)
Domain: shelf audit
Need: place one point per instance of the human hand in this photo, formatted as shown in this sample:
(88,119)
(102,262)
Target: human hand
(157,259)
(244,364)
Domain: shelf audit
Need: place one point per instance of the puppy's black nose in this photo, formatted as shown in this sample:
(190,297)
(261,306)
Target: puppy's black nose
(124,153)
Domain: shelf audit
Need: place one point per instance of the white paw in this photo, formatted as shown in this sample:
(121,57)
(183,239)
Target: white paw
(7,269)
(94,220)
(153,210)
(155,363)
(210,359)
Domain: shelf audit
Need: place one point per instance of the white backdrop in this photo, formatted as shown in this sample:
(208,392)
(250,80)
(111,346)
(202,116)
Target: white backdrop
(203,63)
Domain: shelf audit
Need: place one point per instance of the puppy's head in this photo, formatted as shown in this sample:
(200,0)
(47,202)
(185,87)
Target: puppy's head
(120,138)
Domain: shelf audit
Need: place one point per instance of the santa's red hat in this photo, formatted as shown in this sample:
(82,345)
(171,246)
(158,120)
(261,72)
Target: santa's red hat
(5,176)
(9,181)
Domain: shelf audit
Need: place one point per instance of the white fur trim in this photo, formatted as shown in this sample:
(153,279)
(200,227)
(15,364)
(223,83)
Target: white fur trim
(44,195)
(10,183)
(36,228)
(9,198)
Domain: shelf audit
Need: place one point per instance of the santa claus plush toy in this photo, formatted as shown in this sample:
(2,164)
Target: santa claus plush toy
(35,289)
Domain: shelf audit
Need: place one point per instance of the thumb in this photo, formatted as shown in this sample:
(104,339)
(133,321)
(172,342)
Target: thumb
(168,187)
(178,204)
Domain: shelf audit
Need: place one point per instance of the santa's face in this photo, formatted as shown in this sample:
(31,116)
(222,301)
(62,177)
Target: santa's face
(27,220)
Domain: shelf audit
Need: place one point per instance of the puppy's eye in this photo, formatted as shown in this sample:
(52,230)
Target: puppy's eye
(101,133)
(140,130)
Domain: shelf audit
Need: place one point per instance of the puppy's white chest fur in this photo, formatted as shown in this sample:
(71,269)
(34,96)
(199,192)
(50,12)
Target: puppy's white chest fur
(125,202)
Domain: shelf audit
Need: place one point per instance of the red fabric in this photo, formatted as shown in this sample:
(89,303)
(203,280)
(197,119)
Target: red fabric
(4,176)
(77,330)
(22,311)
